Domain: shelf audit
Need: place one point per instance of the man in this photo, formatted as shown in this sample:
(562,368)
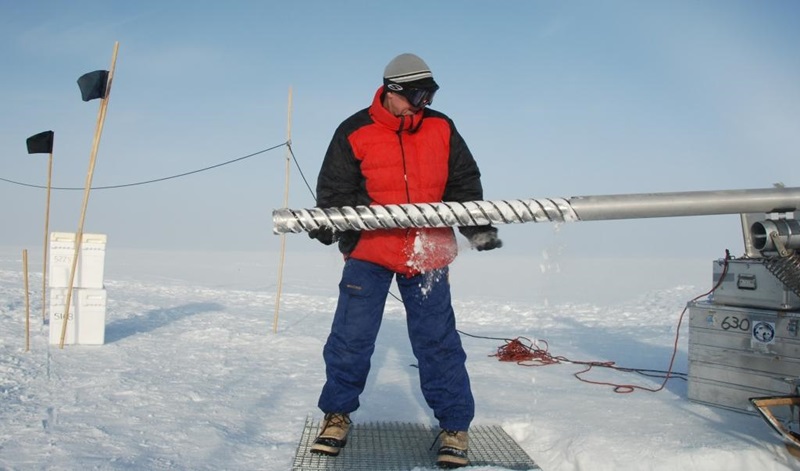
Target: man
(399,151)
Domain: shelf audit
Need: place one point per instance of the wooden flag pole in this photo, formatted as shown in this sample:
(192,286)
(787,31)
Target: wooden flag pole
(285,205)
(101,116)
(27,301)
(46,236)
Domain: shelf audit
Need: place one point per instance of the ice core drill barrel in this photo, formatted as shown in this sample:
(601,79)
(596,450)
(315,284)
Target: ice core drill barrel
(577,208)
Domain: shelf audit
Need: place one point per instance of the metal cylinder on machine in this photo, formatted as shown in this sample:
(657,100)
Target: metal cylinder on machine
(786,230)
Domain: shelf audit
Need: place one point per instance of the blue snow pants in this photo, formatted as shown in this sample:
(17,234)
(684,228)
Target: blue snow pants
(431,329)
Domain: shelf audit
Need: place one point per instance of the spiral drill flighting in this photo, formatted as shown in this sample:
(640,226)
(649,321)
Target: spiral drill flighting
(446,214)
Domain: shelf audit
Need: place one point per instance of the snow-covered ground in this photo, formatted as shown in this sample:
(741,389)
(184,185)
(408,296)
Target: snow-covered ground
(192,376)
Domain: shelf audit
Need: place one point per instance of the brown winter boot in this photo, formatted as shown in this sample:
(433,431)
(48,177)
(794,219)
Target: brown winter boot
(333,434)
(453,449)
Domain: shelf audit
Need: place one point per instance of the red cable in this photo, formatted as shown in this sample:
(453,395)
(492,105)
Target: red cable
(531,355)
(525,355)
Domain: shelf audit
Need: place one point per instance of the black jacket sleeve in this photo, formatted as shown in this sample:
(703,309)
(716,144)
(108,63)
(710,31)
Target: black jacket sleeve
(340,182)
(464,177)
(464,180)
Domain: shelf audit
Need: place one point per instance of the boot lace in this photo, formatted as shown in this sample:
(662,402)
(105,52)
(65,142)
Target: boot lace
(450,433)
(336,420)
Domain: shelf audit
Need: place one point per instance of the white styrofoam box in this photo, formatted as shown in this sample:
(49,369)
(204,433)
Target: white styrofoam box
(87,316)
(91,260)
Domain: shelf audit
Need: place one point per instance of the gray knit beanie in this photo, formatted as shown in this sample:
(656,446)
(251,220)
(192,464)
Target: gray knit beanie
(410,70)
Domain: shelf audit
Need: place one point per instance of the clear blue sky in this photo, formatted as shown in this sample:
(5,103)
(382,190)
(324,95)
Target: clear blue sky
(555,99)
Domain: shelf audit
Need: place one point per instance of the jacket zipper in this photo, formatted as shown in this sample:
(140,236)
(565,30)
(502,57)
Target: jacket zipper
(403,156)
(405,170)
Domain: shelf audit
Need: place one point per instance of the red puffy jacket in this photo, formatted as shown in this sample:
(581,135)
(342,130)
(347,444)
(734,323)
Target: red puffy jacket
(378,158)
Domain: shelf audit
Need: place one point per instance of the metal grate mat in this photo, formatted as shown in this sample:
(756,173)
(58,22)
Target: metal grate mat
(394,446)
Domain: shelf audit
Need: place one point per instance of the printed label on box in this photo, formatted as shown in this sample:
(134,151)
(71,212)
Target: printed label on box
(91,260)
(87,316)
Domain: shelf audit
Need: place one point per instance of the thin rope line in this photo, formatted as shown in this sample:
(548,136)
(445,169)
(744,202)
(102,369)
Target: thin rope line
(125,185)
(299,169)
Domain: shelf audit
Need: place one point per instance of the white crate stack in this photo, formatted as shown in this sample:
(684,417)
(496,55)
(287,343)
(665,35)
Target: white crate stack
(87,311)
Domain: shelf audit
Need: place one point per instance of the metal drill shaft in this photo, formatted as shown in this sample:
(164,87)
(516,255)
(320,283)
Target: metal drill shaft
(471,213)
(579,208)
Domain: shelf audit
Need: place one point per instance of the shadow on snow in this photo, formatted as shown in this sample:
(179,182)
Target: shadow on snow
(155,319)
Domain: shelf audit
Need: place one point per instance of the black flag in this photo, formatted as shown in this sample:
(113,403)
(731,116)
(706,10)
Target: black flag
(41,143)
(93,84)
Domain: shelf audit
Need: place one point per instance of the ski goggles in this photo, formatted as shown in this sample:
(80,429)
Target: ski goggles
(417,97)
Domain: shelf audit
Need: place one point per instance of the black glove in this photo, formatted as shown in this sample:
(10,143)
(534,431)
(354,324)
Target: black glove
(347,239)
(323,234)
(482,237)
